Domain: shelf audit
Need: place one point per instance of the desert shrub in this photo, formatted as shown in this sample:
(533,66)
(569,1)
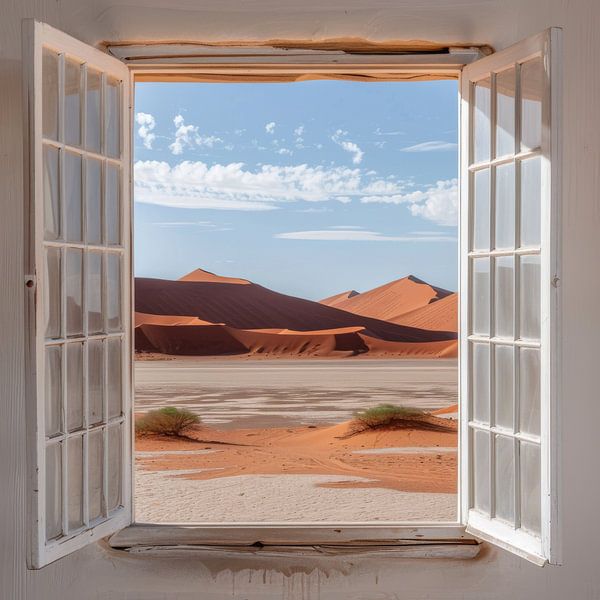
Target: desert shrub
(168,421)
(385,414)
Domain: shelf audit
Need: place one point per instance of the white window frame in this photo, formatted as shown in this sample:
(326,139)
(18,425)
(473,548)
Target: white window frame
(162,62)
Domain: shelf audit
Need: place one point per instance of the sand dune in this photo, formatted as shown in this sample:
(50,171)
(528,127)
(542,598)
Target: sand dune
(441,315)
(338,298)
(389,301)
(205,314)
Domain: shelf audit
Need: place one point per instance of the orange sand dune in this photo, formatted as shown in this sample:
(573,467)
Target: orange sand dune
(202,275)
(441,315)
(149,319)
(322,450)
(393,299)
(338,298)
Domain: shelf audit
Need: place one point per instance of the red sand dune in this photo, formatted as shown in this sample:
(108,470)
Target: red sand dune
(441,315)
(338,298)
(393,299)
(203,314)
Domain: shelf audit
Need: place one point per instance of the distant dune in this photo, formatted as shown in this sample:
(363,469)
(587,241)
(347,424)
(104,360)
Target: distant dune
(441,315)
(205,314)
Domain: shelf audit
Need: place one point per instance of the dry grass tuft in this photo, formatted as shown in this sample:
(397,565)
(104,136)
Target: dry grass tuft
(166,421)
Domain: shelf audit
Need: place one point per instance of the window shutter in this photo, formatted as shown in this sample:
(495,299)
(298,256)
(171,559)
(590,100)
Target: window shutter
(509,292)
(78,293)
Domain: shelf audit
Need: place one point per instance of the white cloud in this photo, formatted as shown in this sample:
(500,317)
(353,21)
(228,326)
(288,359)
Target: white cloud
(346,227)
(147,123)
(188,136)
(378,131)
(437,203)
(434,146)
(348,146)
(358,235)
(299,131)
(284,151)
(270,127)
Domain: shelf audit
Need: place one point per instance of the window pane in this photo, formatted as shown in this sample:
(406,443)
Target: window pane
(505,112)
(481,210)
(113,292)
(50,94)
(531,498)
(481,125)
(93,198)
(481,471)
(75,482)
(115,453)
(505,478)
(95,474)
(504,297)
(532,87)
(72,103)
(95,381)
(53,491)
(73,194)
(53,390)
(112,206)
(95,316)
(504,378)
(530,299)
(505,206)
(529,390)
(531,194)
(52,303)
(74,291)
(51,194)
(113,119)
(93,121)
(481,383)
(481,296)
(74,386)
(114,377)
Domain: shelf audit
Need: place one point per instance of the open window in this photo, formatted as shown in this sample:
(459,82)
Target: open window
(78,267)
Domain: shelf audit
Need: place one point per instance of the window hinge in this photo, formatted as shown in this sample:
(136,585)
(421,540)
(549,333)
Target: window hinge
(555,281)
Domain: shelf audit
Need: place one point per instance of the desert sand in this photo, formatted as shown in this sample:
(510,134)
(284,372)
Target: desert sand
(205,314)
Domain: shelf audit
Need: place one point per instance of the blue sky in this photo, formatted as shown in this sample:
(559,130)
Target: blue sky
(308,188)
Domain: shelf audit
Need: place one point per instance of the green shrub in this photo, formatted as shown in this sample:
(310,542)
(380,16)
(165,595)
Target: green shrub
(385,414)
(168,421)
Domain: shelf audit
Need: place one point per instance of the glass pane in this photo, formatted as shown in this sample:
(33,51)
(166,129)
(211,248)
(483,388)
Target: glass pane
(52,303)
(529,390)
(75,482)
(53,390)
(505,478)
(531,195)
(505,112)
(481,471)
(113,292)
(113,118)
(53,491)
(114,377)
(72,102)
(115,453)
(481,296)
(481,118)
(532,87)
(95,474)
(112,206)
(530,299)
(504,378)
(93,121)
(49,94)
(95,318)
(73,194)
(505,206)
(504,297)
(93,198)
(95,381)
(531,498)
(481,383)
(74,291)
(51,194)
(74,386)
(481,210)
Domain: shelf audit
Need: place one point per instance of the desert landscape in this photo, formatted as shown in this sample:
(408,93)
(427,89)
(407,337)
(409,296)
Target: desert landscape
(342,410)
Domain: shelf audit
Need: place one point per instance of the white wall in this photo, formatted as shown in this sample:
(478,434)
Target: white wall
(99,573)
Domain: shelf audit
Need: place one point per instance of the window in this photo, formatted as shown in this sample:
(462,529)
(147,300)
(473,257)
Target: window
(79,401)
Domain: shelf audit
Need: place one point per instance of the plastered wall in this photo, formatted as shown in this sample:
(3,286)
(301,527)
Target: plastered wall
(99,573)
